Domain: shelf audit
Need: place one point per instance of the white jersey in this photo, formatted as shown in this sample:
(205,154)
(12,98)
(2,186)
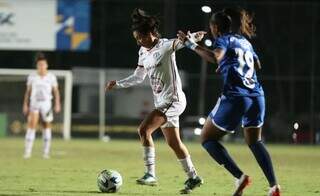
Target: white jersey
(41,86)
(159,63)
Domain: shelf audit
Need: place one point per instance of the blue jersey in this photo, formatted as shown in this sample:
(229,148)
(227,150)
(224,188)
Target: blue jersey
(237,66)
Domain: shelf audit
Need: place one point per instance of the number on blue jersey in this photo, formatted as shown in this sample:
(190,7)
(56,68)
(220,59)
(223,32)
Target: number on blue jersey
(246,67)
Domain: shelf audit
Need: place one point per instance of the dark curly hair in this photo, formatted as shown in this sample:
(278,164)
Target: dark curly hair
(39,57)
(145,23)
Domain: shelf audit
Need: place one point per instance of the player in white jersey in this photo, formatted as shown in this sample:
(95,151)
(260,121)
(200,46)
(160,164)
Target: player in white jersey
(157,60)
(38,104)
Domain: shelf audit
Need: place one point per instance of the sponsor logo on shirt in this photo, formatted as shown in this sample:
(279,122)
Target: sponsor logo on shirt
(156,84)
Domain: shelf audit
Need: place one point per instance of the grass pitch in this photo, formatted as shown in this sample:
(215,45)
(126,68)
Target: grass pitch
(74,165)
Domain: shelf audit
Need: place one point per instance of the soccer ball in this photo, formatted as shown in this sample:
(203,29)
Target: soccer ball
(109,181)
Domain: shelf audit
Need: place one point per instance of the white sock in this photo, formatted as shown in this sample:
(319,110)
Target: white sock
(149,156)
(188,167)
(29,138)
(46,135)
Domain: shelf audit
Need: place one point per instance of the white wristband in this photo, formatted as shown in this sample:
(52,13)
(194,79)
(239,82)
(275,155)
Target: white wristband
(190,44)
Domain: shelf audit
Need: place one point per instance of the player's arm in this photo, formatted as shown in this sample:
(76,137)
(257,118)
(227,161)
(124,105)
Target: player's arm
(214,56)
(57,102)
(136,78)
(26,99)
(56,94)
(196,37)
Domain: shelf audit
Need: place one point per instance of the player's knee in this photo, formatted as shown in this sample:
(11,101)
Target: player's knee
(47,125)
(143,132)
(209,143)
(203,139)
(253,142)
(205,136)
(32,124)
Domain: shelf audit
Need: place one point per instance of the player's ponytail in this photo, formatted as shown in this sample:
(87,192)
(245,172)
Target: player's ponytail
(242,21)
(247,26)
(144,23)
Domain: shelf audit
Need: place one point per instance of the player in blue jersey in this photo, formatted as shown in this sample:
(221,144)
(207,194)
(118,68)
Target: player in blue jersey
(242,99)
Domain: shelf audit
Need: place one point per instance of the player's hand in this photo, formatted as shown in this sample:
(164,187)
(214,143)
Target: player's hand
(187,40)
(197,36)
(182,36)
(110,85)
(57,108)
(25,109)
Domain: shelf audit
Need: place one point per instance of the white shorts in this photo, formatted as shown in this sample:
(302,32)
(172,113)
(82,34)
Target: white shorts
(172,112)
(44,108)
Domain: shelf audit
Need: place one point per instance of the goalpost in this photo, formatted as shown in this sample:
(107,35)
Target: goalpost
(20,75)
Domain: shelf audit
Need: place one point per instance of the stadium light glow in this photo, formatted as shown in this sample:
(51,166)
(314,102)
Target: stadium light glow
(208,42)
(206,9)
(202,121)
(296,126)
(197,131)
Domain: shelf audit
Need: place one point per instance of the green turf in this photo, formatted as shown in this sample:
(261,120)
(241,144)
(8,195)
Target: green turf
(74,166)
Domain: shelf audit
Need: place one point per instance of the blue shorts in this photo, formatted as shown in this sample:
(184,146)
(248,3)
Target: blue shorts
(230,111)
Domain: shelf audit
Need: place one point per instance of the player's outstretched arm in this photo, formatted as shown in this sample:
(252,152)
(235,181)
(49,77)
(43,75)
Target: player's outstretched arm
(136,78)
(214,56)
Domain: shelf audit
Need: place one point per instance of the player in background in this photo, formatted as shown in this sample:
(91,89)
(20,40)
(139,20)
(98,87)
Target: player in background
(242,98)
(37,104)
(157,60)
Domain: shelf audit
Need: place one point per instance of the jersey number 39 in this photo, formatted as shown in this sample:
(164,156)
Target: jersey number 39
(246,67)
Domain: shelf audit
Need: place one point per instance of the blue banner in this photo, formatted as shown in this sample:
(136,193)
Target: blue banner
(73,18)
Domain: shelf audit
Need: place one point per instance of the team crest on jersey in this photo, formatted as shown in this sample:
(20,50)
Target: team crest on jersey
(153,66)
(157,56)
(159,44)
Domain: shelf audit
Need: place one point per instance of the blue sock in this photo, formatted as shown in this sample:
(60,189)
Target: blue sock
(221,155)
(264,160)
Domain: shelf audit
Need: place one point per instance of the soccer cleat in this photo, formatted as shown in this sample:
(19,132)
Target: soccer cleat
(274,191)
(147,179)
(241,184)
(191,184)
(27,155)
(46,156)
